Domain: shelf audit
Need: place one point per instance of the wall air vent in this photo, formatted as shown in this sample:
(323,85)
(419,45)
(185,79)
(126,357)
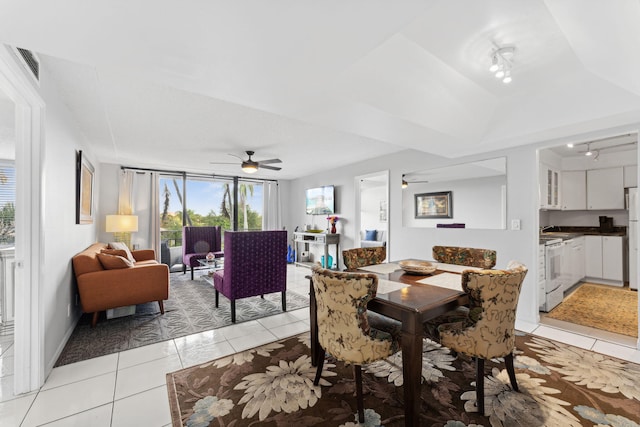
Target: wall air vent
(30,61)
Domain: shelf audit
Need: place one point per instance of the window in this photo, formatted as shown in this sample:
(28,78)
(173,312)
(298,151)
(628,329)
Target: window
(7,203)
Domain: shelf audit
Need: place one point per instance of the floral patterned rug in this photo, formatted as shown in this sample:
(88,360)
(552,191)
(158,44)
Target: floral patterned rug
(272,385)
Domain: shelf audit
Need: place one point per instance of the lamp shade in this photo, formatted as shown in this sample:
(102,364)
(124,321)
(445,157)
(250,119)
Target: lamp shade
(122,223)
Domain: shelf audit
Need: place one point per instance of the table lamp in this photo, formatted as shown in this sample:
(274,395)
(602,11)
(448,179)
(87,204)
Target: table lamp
(122,226)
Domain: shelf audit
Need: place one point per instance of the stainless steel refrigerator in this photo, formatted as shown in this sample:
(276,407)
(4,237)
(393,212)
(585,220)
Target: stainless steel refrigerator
(633,238)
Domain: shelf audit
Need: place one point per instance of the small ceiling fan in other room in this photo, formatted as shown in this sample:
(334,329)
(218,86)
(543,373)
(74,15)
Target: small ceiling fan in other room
(251,166)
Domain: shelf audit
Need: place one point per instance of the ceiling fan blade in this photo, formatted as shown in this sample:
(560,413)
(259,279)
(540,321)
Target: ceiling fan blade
(236,156)
(274,168)
(223,163)
(266,162)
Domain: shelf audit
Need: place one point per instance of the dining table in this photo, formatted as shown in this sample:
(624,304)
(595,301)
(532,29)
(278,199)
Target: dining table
(412,302)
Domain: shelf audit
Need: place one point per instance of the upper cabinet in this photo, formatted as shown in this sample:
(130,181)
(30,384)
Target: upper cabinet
(549,187)
(574,190)
(605,189)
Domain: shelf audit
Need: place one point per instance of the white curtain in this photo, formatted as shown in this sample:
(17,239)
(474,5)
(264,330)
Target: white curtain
(125,192)
(139,196)
(271,217)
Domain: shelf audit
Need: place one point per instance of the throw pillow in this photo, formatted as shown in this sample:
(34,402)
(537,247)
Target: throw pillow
(118,252)
(113,262)
(370,234)
(123,247)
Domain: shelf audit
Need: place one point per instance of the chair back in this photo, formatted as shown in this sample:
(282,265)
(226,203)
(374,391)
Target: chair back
(472,257)
(201,240)
(255,263)
(489,329)
(341,307)
(361,257)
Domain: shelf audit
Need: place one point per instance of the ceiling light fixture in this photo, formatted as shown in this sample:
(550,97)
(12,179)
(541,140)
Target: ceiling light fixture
(250,167)
(405,184)
(570,145)
(502,62)
(589,152)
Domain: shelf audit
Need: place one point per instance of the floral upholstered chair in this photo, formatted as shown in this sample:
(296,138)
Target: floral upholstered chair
(343,325)
(488,331)
(473,257)
(361,257)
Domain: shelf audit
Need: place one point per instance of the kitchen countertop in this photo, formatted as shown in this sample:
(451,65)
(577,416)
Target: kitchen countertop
(566,233)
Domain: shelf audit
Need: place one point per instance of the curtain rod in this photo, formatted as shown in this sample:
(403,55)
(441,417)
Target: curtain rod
(203,175)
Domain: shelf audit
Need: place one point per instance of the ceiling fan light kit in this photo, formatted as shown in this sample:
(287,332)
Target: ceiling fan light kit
(251,166)
(502,62)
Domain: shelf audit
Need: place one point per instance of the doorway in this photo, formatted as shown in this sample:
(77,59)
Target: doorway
(372,209)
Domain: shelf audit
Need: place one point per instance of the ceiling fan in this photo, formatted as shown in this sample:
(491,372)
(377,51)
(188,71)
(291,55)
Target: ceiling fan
(251,166)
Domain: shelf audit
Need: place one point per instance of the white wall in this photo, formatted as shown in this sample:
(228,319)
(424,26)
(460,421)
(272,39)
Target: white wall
(405,242)
(477,202)
(63,238)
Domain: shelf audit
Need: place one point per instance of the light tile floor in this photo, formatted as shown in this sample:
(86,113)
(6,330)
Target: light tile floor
(128,388)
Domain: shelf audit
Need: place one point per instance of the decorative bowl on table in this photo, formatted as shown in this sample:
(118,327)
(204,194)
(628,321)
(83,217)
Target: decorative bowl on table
(418,267)
(315,231)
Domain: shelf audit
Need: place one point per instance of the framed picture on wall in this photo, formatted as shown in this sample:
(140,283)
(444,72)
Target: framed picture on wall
(84,189)
(434,205)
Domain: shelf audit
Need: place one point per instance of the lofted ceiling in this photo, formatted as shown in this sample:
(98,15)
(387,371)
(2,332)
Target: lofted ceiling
(178,85)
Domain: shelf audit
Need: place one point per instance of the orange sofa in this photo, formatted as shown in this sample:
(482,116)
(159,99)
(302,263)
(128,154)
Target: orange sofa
(101,289)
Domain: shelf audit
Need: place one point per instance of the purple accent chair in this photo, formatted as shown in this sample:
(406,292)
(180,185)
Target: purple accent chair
(255,263)
(197,242)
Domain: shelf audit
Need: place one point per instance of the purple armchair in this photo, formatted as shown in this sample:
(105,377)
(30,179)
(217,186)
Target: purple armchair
(197,242)
(255,263)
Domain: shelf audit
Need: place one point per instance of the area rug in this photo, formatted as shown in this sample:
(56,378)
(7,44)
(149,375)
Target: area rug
(272,385)
(190,309)
(602,307)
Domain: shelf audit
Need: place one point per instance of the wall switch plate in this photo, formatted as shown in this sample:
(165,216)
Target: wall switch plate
(515,224)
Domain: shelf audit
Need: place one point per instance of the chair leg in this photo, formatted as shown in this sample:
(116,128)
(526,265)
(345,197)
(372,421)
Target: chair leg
(217,298)
(161,304)
(358,376)
(184,268)
(284,301)
(508,361)
(320,365)
(233,311)
(480,385)
(191,273)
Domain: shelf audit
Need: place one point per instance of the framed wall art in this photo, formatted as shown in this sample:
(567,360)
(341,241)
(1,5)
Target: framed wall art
(434,205)
(84,189)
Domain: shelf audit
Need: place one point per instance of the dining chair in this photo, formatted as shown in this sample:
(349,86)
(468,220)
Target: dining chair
(472,257)
(361,257)
(344,327)
(488,330)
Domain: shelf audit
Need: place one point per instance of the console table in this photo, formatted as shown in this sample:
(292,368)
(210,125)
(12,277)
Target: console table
(323,239)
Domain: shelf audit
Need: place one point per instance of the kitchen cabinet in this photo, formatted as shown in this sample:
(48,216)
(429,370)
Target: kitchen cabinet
(603,258)
(631,176)
(574,190)
(575,265)
(605,188)
(549,187)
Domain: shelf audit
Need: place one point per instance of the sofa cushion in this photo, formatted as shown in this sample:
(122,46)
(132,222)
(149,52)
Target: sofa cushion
(114,262)
(371,235)
(123,247)
(117,252)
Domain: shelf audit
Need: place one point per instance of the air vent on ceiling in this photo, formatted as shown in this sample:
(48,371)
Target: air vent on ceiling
(30,61)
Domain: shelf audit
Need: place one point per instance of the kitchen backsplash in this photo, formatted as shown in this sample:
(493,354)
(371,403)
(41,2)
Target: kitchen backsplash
(582,218)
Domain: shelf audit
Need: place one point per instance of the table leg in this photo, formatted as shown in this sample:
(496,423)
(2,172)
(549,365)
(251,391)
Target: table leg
(412,367)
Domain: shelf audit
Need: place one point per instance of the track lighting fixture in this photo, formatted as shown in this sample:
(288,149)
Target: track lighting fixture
(405,184)
(502,62)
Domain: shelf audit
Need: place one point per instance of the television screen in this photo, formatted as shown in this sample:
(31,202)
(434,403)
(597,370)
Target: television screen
(320,201)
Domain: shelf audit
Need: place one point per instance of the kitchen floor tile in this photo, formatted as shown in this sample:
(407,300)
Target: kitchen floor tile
(565,337)
(12,412)
(96,417)
(146,353)
(242,329)
(276,320)
(197,355)
(66,400)
(145,376)
(73,372)
(149,409)
(252,340)
(6,388)
(617,351)
(6,365)
(290,329)
(202,339)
